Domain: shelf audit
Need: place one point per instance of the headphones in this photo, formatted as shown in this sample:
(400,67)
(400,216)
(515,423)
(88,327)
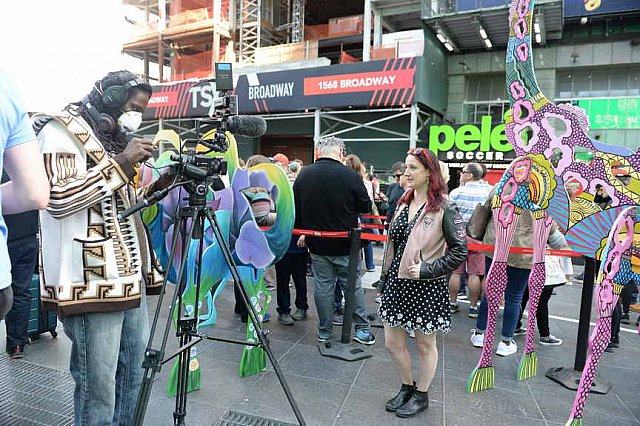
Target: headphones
(115,96)
(112,98)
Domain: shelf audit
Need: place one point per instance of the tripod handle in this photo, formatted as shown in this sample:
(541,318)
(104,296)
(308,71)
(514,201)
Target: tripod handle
(146,202)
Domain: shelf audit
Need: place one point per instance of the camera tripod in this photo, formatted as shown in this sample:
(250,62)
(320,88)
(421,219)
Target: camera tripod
(187,323)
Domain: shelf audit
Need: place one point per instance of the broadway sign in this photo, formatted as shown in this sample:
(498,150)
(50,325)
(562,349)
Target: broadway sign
(365,84)
(370,84)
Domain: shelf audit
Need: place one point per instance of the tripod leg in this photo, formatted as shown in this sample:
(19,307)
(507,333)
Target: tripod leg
(213,221)
(153,357)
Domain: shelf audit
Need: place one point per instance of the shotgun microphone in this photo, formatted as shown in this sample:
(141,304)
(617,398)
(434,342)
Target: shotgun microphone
(247,125)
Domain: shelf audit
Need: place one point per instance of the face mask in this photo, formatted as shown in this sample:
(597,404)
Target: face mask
(130,121)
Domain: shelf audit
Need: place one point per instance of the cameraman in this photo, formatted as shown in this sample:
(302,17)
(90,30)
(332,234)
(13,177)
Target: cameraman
(28,187)
(95,267)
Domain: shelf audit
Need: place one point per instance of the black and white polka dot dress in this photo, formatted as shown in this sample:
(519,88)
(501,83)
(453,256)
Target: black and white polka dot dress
(411,304)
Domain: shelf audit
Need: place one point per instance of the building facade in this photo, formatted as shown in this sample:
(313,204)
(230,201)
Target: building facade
(390,75)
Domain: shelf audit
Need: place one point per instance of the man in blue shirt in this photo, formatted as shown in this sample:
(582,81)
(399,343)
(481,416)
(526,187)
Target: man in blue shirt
(471,192)
(28,188)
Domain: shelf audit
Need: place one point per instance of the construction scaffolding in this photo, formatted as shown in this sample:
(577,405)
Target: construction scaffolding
(189,36)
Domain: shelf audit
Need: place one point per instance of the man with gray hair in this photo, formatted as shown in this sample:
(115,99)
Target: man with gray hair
(471,192)
(328,197)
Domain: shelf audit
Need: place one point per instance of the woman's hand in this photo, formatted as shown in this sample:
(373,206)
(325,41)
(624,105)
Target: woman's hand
(414,271)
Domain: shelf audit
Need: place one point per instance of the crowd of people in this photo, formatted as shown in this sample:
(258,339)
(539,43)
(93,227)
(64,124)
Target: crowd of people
(86,179)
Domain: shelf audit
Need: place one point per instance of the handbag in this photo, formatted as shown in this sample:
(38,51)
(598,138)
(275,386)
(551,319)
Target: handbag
(477,225)
(374,212)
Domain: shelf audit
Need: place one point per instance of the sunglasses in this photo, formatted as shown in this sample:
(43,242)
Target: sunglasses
(417,151)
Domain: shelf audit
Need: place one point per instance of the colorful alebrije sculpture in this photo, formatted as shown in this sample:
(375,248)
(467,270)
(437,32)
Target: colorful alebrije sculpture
(252,248)
(554,147)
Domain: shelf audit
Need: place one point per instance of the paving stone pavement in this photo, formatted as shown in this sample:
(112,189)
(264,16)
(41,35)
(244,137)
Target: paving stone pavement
(334,392)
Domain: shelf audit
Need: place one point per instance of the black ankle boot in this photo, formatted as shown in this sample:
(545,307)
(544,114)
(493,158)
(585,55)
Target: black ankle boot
(418,403)
(406,391)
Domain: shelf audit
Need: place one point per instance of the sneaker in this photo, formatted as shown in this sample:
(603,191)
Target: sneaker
(624,319)
(285,319)
(338,319)
(453,308)
(371,269)
(412,334)
(378,299)
(550,341)
(520,331)
(473,312)
(266,317)
(324,336)
(462,296)
(365,337)
(299,314)
(506,349)
(16,352)
(477,339)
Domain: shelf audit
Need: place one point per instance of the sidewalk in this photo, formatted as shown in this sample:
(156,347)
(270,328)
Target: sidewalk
(334,392)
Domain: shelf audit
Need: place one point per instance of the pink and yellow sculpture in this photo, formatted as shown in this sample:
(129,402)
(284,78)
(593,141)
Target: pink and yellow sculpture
(554,147)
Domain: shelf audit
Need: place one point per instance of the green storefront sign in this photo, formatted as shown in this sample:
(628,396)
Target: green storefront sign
(471,142)
(619,113)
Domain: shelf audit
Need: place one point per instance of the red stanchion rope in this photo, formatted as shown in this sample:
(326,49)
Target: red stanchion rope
(383,238)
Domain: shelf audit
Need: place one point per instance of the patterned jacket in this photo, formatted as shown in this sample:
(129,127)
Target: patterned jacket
(89,261)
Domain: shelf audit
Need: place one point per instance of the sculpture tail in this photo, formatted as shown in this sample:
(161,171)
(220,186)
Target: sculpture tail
(528,366)
(481,379)
(194,378)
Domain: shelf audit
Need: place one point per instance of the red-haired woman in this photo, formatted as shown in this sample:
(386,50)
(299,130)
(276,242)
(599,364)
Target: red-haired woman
(427,240)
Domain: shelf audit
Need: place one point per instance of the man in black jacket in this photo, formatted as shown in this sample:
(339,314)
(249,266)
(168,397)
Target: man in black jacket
(328,197)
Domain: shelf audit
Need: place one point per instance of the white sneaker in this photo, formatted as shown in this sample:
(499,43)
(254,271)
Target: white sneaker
(477,340)
(507,349)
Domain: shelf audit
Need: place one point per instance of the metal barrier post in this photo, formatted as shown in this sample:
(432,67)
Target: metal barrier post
(565,376)
(349,297)
(345,349)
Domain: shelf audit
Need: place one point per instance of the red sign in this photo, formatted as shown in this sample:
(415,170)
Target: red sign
(163,99)
(360,82)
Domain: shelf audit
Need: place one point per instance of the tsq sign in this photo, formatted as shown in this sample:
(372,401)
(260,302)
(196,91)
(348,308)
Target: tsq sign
(485,142)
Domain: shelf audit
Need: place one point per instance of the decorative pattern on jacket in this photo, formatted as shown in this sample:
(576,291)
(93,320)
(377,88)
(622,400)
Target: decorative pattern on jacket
(89,261)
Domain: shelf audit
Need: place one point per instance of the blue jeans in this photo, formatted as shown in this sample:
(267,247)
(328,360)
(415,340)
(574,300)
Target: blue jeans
(517,280)
(368,245)
(327,272)
(23,254)
(106,363)
(338,298)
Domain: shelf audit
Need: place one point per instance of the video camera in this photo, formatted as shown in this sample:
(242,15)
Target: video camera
(199,167)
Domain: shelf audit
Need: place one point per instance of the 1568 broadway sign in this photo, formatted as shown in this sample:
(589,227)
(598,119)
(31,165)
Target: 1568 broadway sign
(471,142)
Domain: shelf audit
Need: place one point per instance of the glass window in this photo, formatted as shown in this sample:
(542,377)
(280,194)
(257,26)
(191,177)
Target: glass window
(607,82)
(495,111)
(599,83)
(634,82)
(489,87)
(565,85)
(618,84)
